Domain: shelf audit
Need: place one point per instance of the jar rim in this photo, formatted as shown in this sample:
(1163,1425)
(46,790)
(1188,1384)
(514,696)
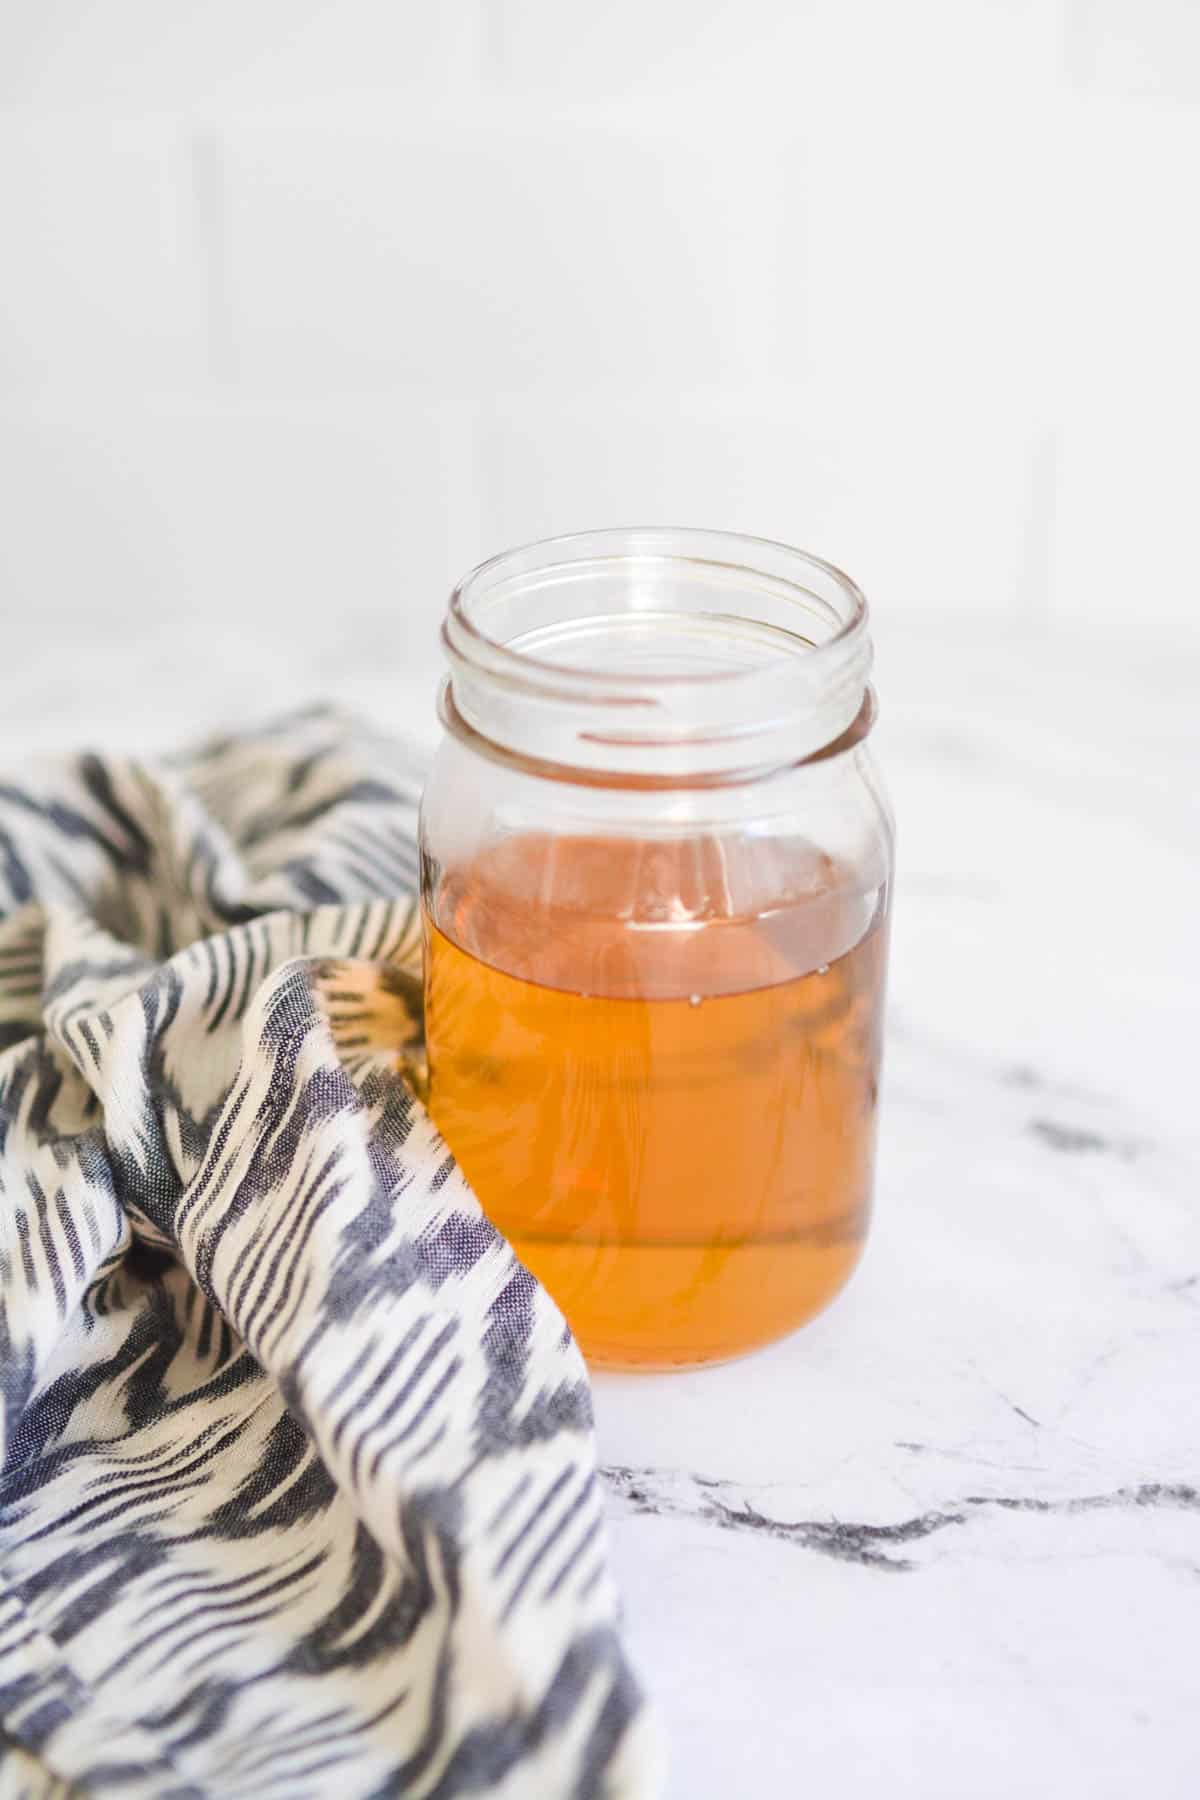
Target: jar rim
(672,650)
(681,545)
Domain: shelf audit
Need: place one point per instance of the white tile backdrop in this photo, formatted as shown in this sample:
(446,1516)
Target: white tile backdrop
(305,305)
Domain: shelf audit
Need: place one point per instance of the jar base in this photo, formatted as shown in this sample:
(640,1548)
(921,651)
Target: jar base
(664,1308)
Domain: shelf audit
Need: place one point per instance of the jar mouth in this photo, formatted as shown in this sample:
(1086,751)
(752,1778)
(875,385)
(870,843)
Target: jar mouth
(653,643)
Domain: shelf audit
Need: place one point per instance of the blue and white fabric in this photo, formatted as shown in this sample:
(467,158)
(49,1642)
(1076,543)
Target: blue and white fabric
(298,1491)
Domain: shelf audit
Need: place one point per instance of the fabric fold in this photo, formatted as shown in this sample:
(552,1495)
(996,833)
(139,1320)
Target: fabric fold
(297,1478)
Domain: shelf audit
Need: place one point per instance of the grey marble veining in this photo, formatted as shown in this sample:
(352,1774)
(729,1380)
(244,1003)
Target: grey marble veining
(945,1542)
(666,1494)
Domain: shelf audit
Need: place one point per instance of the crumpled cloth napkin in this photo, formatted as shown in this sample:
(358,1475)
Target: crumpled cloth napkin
(298,1492)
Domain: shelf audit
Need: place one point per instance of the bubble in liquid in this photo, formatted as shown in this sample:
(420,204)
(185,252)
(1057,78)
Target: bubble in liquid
(824,969)
(693,999)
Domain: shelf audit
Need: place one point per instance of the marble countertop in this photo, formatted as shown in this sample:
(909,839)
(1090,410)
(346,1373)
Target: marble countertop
(946,1541)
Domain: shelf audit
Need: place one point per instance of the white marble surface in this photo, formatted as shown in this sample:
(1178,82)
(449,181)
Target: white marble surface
(946,1541)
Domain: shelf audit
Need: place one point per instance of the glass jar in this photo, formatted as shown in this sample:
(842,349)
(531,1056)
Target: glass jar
(656,868)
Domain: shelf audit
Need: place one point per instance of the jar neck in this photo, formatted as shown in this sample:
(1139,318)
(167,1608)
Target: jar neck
(661,657)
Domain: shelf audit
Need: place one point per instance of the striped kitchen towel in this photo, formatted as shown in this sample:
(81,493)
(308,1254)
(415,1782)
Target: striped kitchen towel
(298,1492)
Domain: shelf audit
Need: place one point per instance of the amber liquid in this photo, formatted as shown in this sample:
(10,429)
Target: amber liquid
(666,1106)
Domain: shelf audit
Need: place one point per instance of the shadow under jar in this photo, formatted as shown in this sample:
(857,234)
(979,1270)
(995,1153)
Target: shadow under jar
(656,864)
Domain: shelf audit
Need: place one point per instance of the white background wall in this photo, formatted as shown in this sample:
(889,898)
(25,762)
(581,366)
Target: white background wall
(307,305)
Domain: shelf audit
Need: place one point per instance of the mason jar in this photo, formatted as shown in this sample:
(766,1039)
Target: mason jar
(656,872)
